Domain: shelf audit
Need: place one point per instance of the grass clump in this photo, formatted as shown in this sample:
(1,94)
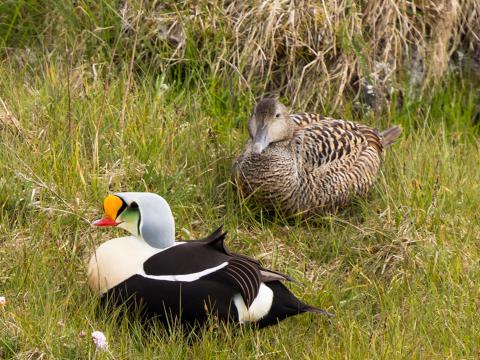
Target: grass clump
(300,50)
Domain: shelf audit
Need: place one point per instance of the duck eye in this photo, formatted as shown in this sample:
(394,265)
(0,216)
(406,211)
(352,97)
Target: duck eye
(277,116)
(133,205)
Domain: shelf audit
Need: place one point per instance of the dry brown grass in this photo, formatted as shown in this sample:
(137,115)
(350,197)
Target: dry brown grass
(303,49)
(311,52)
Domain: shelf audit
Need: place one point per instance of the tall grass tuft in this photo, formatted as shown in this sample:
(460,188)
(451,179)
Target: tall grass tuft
(313,53)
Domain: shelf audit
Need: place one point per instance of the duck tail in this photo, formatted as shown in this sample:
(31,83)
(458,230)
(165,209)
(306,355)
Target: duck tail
(286,304)
(390,135)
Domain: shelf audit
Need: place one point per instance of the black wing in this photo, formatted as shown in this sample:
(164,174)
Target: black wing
(191,257)
(243,273)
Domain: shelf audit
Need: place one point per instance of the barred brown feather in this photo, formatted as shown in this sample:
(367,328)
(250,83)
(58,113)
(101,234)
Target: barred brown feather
(308,162)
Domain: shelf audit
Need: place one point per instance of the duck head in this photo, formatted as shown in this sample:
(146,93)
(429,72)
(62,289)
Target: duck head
(144,215)
(269,123)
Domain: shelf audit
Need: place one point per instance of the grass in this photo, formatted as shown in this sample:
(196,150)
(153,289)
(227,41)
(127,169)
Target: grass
(299,50)
(400,268)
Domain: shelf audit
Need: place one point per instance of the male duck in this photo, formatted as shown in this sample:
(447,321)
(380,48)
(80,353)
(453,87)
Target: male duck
(188,280)
(306,163)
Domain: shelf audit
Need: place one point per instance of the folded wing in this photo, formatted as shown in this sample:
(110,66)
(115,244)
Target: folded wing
(206,256)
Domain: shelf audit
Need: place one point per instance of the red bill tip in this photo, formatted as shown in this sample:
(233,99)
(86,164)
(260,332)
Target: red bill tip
(106,221)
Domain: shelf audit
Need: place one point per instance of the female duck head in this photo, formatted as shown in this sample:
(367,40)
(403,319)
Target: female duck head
(145,215)
(269,123)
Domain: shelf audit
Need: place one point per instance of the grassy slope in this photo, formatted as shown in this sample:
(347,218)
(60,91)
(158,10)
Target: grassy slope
(400,269)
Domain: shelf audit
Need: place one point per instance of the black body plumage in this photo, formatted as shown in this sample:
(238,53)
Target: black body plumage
(212,295)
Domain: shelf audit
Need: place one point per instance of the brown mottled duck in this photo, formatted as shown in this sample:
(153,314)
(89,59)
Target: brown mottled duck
(307,163)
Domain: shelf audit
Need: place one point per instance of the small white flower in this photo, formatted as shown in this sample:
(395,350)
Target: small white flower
(3,301)
(100,340)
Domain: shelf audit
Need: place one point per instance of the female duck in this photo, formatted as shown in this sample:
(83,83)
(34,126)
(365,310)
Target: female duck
(188,280)
(308,163)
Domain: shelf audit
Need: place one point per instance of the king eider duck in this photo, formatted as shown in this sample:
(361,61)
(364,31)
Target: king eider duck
(307,163)
(187,280)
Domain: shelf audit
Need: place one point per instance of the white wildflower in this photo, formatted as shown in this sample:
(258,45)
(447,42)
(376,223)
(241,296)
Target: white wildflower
(100,340)
(3,301)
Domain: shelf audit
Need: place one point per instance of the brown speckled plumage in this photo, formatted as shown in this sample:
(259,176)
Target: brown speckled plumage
(307,162)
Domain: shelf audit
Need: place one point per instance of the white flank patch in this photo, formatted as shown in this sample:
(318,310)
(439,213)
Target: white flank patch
(186,277)
(260,307)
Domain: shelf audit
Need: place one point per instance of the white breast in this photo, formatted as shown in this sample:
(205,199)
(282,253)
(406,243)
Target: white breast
(118,259)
